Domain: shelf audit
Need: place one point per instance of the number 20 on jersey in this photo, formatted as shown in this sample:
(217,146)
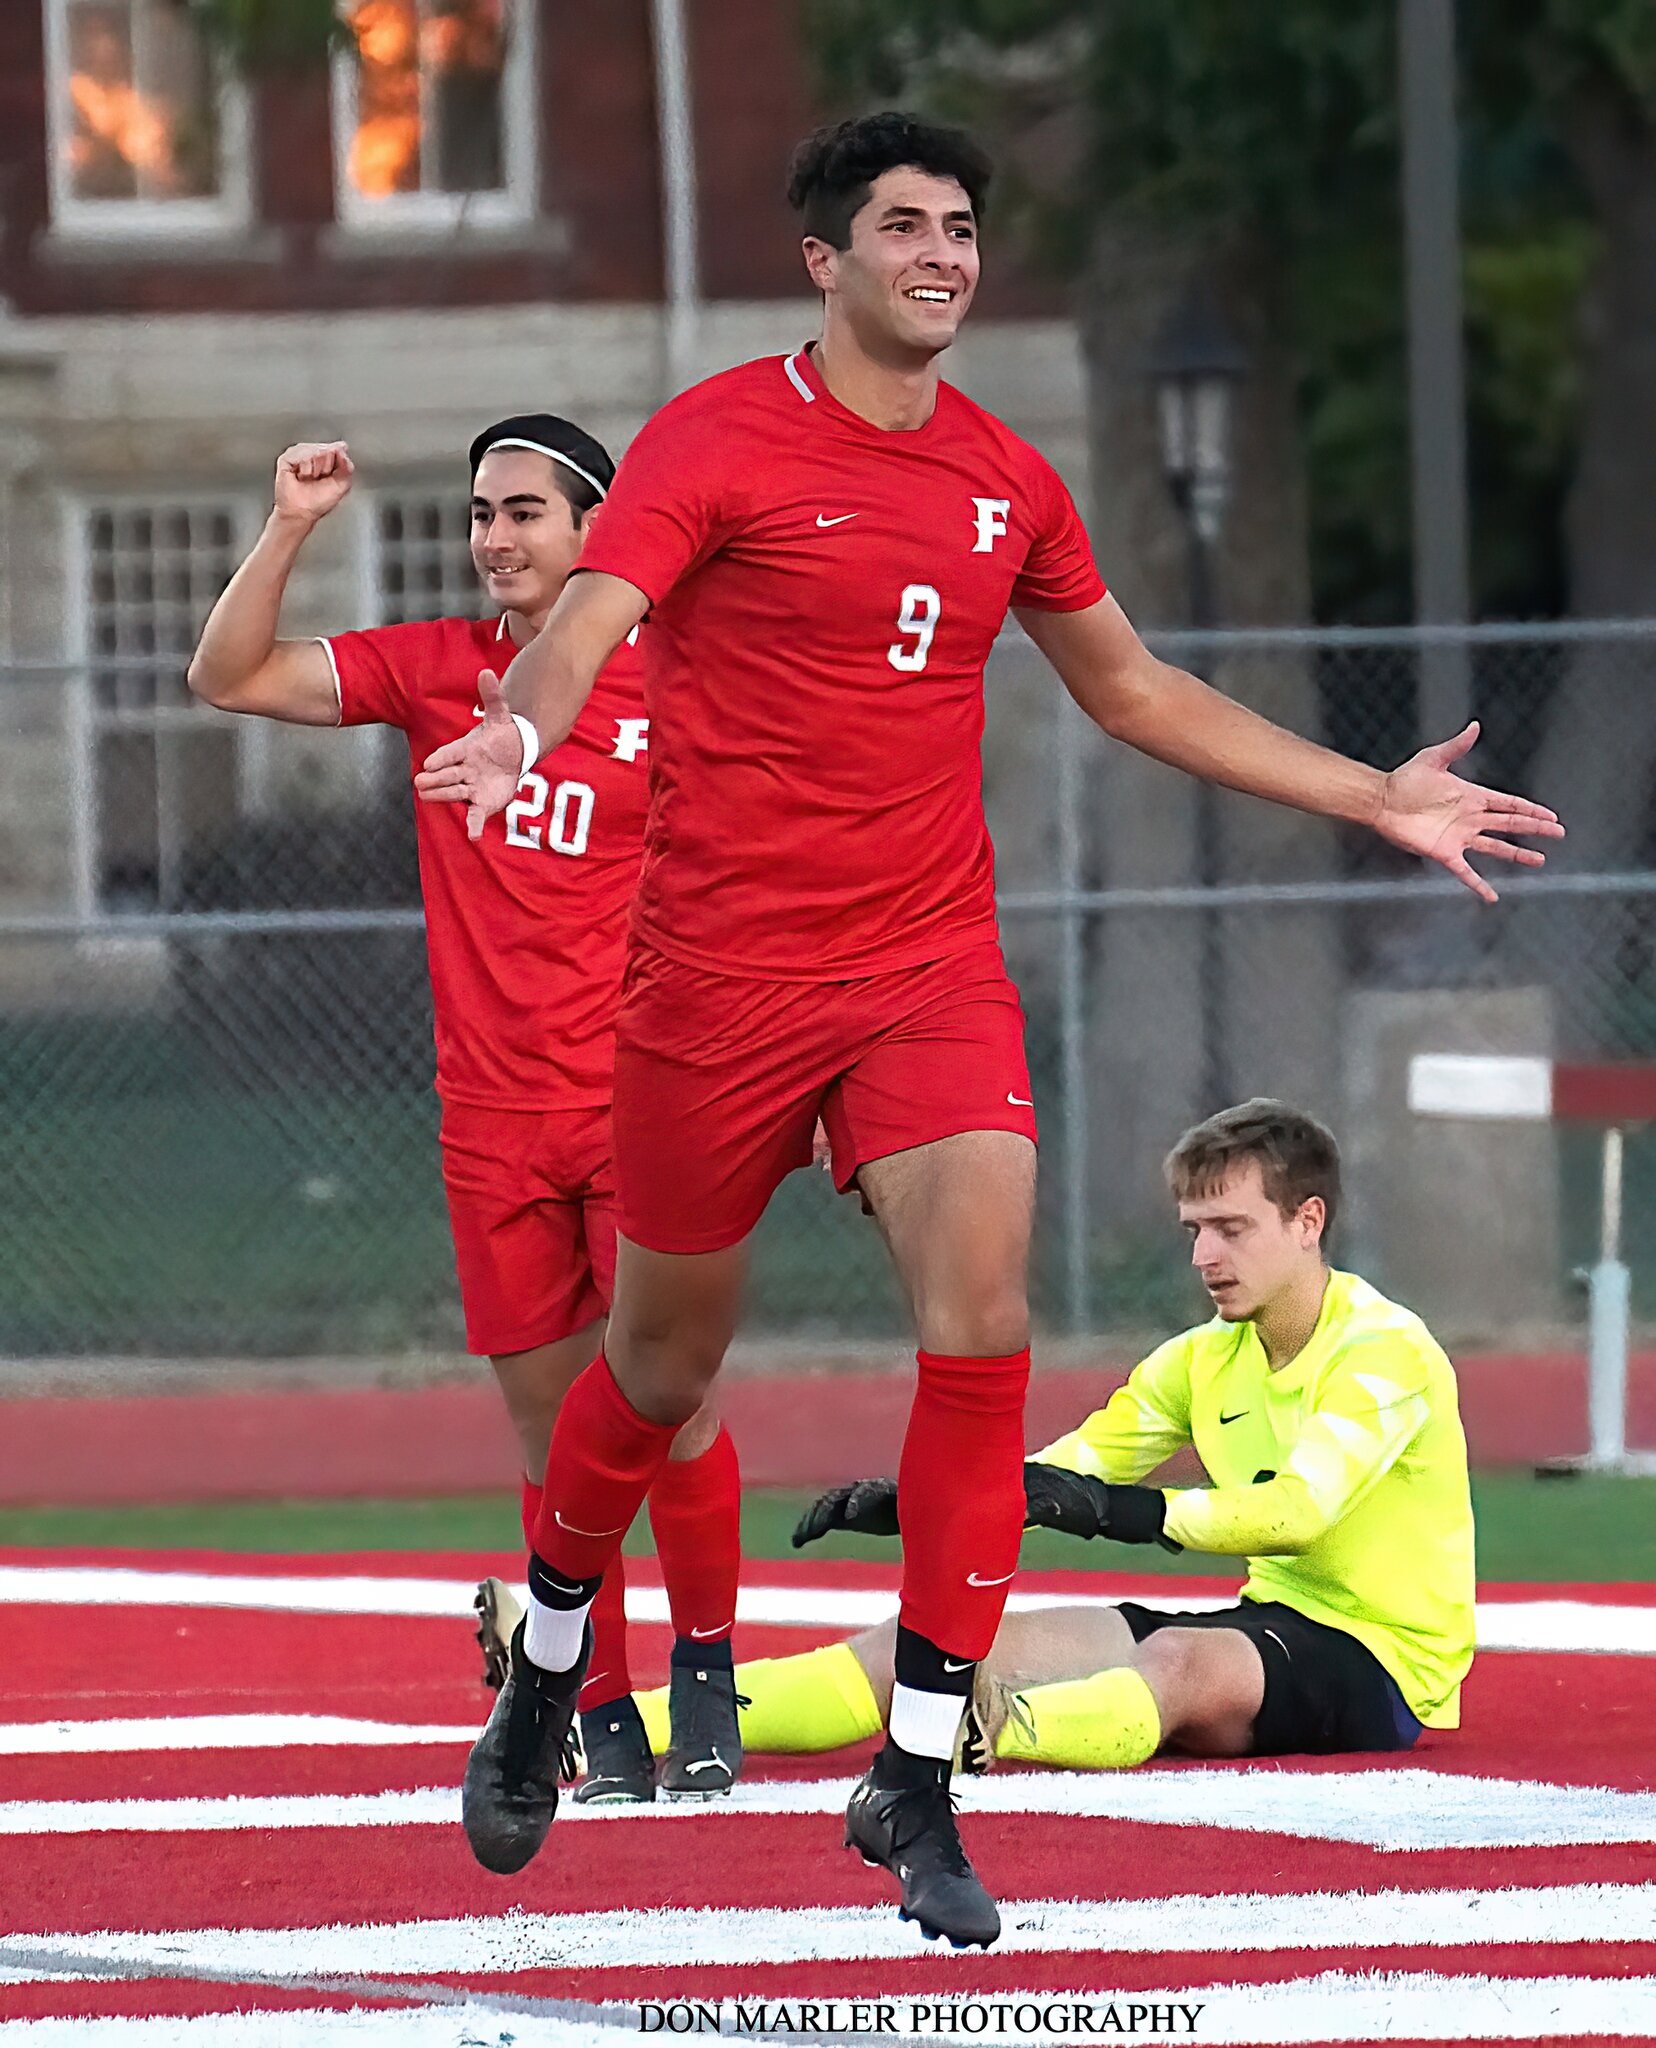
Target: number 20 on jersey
(566,830)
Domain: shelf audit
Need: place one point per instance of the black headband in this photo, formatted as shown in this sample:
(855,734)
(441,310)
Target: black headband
(557,439)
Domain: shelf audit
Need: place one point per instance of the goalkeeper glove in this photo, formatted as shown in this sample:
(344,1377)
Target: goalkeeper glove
(867,1507)
(1053,1499)
(1082,1506)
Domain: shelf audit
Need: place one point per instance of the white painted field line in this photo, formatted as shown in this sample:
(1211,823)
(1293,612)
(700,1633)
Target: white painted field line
(1395,1810)
(1567,1625)
(429,1806)
(716,1937)
(220,1731)
(1333,2006)
(423,2026)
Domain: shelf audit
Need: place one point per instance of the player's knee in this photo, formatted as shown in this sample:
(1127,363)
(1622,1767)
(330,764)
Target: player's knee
(987,1321)
(665,1375)
(1207,1685)
(696,1437)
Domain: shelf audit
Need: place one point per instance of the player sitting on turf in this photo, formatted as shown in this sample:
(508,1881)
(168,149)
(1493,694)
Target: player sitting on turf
(526,931)
(1326,1417)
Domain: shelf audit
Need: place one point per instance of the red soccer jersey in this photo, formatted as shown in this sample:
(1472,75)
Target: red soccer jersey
(526,928)
(825,595)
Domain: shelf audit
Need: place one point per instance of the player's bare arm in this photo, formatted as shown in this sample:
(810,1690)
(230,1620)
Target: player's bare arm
(1422,806)
(548,683)
(240,664)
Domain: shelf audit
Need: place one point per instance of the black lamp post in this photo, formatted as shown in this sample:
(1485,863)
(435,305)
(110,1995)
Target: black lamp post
(1196,366)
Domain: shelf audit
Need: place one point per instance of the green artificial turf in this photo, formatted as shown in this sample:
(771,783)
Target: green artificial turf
(1581,1528)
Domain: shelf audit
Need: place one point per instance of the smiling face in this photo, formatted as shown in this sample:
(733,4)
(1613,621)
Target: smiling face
(1246,1252)
(905,282)
(524,534)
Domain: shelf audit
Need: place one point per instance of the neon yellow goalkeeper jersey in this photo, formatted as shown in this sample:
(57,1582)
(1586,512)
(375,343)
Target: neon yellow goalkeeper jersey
(1341,1478)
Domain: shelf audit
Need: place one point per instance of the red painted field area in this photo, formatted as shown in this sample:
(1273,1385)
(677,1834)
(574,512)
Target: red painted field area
(229,1820)
(791,1430)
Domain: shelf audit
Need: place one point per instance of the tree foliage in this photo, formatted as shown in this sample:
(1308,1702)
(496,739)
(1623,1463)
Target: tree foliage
(272,35)
(1211,118)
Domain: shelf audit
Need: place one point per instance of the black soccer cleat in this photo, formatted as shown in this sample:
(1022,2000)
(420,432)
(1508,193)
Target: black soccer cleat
(528,1744)
(620,1768)
(704,1749)
(911,1832)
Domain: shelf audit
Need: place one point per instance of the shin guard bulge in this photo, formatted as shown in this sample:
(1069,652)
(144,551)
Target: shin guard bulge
(604,1458)
(695,1513)
(1108,1722)
(960,1498)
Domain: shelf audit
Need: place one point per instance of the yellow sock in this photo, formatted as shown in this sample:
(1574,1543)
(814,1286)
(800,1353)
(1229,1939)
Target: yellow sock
(801,1705)
(1107,1722)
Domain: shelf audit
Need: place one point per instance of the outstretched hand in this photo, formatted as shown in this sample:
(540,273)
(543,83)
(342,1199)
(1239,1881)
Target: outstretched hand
(867,1507)
(1428,809)
(482,769)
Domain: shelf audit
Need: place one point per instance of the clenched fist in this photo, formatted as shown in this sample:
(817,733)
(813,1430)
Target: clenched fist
(311,479)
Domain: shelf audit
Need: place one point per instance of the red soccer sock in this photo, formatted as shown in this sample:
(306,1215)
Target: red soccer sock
(960,1498)
(531,1512)
(604,1457)
(607,1676)
(695,1511)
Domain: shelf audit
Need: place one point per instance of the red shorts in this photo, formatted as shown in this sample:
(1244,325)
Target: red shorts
(531,1200)
(720,1079)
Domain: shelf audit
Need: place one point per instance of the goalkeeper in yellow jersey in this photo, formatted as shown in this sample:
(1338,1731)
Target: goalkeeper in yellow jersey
(1326,1418)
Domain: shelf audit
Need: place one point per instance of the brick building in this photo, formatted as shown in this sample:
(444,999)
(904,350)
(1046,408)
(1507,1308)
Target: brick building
(460,215)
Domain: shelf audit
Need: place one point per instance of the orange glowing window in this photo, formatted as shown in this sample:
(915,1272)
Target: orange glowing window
(136,112)
(429,107)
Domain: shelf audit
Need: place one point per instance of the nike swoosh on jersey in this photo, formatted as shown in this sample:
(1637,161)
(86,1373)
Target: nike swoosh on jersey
(1237,1417)
(839,519)
(972,1579)
(1019,1101)
(702,1634)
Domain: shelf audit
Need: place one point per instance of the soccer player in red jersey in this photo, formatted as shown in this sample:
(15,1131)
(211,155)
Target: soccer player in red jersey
(827,545)
(525,931)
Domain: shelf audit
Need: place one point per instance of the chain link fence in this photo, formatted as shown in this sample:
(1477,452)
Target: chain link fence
(215,1052)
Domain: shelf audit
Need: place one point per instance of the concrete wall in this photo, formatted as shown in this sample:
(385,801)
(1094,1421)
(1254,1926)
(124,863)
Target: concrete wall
(191,402)
(1457,1218)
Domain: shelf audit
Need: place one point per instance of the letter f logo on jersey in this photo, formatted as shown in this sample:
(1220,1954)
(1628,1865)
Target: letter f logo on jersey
(632,738)
(991,523)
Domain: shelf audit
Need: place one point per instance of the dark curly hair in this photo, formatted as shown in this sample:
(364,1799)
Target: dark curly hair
(833,170)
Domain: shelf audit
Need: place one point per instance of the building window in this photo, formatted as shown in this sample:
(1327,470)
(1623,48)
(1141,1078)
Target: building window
(421,566)
(156,773)
(146,131)
(434,112)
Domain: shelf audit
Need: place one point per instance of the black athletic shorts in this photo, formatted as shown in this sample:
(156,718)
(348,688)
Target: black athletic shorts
(1324,1691)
